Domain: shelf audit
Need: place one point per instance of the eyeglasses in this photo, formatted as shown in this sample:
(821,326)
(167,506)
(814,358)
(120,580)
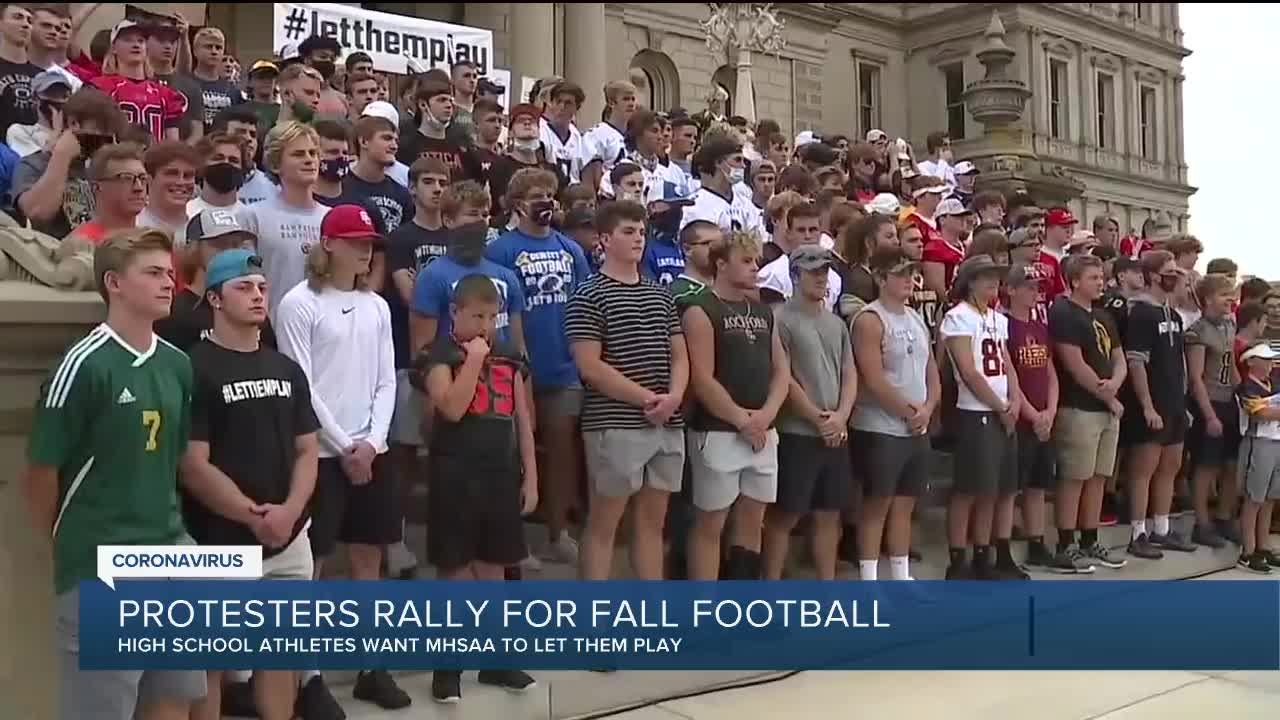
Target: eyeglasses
(128,179)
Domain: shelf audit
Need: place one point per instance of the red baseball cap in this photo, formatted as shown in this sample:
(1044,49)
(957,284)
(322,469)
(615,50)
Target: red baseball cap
(1060,217)
(348,222)
(525,110)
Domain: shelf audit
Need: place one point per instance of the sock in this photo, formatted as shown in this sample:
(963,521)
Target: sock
(240,675)
(867,569)
(1004,556)
(981,555)
(1089,537)
(306,675)
(958,555)
(1066,538)
(899,566)
(1139,528)
(1162,524)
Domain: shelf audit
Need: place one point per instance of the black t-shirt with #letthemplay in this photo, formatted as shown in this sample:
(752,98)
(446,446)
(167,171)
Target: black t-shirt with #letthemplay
(411,247)
(250,407)
(461,161)
(17,102)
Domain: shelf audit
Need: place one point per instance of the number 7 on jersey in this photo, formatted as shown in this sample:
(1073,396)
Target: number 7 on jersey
(151,421)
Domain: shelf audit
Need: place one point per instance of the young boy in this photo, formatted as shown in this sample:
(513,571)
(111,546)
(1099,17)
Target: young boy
(482,444)
(1260,458)
(1251,320)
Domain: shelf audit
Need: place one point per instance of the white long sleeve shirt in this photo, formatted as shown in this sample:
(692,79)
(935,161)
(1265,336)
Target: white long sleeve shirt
(342,341)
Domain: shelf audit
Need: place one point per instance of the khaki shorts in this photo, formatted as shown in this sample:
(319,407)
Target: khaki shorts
(1086,443)
(411,407)
(621,462)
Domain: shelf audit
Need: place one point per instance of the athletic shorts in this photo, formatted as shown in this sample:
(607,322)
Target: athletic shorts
(473,514)
(1037,466)
(411,409)
(986,457)
(294,562)
(620,462)
(1209,451)
(725,466)
(559,402)
(892,465)
(1134,429)
(1086,442)
(812,476)
(1259,463)
(369,514)
(110,694)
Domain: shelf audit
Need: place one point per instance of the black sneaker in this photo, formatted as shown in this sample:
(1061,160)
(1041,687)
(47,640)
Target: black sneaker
(1039,556)
(1172,541)
(1070,562)
(960,572)
(1229,530)
(237,699)
(1208,536)
(1141,547)
(1256,563)
(512,680)
(1101,555)
(379,688)
(1011,572)
(1272,559)
(315,702)
(985,571)
(446,686)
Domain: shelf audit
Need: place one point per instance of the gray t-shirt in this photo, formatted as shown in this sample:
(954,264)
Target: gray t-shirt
(285,235)
(1218,340)
(77,198)
(904,352)
(817,344)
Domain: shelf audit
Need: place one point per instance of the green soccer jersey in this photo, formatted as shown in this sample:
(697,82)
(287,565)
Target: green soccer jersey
(114,422)
(686,291)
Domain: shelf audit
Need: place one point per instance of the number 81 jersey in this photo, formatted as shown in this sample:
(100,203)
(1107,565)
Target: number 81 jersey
(114,421)
(988,332)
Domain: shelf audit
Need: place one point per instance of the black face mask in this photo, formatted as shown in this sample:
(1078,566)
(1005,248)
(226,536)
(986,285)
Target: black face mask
(223,177)
(326,68)
(667,222)
(334,169)
(541,212)
(91,142)
(467,242)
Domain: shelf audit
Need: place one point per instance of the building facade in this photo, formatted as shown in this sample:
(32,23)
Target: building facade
(1105,78)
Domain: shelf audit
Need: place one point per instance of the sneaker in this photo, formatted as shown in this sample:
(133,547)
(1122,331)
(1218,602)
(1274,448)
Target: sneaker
(1108,519)
(379,688)
(1207,535)
(1141,547)
(986,572)
(563,550)
(446,686)
(960,572)
(1039,556)
(914,556)
(1098,554)
(315,702)
(1011,572)
(237,699)
(401,562)
(1229,530)
(1070,562)
(1172,541)
(1256,563)
(1110,510)
(513,680)
(531,564)
(1270,556)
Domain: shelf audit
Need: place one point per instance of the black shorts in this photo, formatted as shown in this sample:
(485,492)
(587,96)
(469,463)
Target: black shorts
(1215,451)
(473,514)
(812,476)
(1134,429)
(986,457)
(892,466)
(1037,463)
(354,514)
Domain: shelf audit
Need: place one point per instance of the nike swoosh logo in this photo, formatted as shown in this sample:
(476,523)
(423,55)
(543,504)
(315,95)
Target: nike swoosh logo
(347,311)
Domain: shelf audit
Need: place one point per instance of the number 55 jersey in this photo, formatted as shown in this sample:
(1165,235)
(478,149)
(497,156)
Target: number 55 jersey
(486,435)
(114,421)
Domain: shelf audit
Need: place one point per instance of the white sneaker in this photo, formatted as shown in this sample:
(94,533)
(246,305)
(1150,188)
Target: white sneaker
(564,550)
(531,564)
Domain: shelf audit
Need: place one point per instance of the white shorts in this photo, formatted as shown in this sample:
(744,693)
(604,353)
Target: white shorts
(294,562)
(725,466)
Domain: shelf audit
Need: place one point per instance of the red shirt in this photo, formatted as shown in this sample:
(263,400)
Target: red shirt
(1134,247)
(937,249)
(1029,350)
(1052,283)
(148,103)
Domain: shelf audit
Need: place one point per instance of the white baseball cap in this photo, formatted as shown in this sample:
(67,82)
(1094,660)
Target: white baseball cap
(964,167)
(805,138)
(885,204)
(382,109)
(876,136)
(1261,351)
(951,206)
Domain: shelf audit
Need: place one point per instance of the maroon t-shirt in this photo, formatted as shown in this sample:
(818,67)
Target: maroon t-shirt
(1029,349)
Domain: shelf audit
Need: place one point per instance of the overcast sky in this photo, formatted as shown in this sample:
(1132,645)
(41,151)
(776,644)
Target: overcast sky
(1230,107)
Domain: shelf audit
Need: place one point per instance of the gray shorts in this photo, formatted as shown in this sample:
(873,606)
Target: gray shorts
(559,402)
(411,408)
(621,462)
(1260,468)
(724,467)
(110,694)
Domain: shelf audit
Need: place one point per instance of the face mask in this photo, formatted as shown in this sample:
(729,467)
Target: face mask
(540,212)
(326,68)
(737,175)
(628,197)
(334,168)
(1169,283)
(302,112)
(468,242)
(526,145)
(433,123)
(223,177)
(667,222)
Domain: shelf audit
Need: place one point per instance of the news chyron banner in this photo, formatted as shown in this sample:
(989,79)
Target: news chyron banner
(243,623)
(390,39)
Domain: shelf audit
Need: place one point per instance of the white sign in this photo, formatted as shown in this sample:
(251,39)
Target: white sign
(178,561)
(388,38)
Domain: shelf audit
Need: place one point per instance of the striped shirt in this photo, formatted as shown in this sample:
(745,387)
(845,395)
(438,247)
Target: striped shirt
(634,324)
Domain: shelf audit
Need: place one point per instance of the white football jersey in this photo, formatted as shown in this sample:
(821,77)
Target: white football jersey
(989,332)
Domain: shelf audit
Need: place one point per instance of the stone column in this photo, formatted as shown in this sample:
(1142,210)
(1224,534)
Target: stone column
(1180,161)
(585,62)
(532,42)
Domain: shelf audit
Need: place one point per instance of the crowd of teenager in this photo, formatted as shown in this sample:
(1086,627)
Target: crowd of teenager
(320,296)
